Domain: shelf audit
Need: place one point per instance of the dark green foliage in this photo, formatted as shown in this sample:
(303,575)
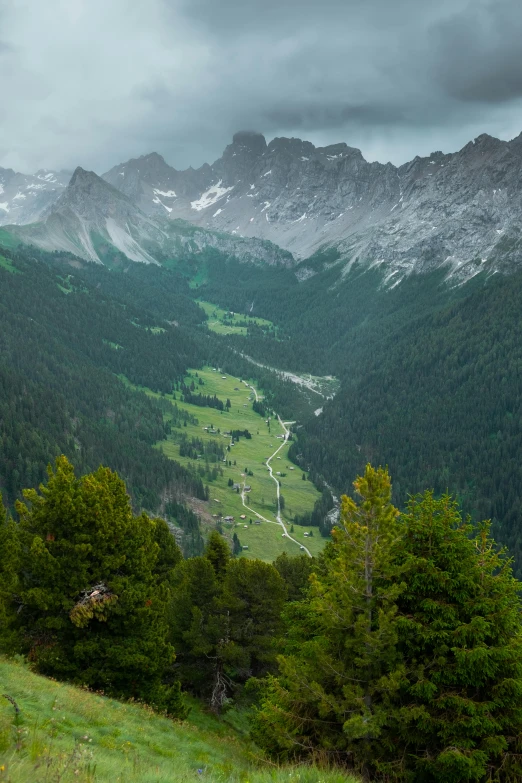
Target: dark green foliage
(202,400)
(94,587)
(318,516)
(188,521)
(460,706)
(341,665)
(217,553)
(236,434)
(56,347)
(213,451)
(437,399)
(404,661)
(9,582)
(295,572)
(253,599)
(225,619)
(236,545)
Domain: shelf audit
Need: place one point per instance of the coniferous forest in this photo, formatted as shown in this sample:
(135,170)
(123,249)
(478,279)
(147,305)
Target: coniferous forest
(397,652)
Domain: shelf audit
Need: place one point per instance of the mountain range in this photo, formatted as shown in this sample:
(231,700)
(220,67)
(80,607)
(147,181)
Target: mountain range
(460,210)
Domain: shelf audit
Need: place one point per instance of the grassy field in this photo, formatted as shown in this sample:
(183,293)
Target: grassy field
(223,322)
(7,239)
(6,264)
(64,734)
(265,540)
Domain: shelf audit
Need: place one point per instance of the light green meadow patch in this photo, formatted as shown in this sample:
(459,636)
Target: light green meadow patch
(7,264)
(227,322)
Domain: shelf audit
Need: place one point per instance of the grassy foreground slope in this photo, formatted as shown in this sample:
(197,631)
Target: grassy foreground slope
(63,734)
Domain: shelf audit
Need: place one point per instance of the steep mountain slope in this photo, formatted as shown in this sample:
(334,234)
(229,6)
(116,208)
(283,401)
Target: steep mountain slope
(97,222)
(461,210)
(23,197)
(88,217)
(63,342)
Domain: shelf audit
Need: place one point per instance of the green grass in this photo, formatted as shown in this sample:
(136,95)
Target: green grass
(7,264)
(221,322)
(65,734)
(7,239)
(264,541)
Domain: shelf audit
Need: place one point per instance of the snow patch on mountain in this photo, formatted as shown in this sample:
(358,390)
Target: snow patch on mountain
(210,196)
(166,193)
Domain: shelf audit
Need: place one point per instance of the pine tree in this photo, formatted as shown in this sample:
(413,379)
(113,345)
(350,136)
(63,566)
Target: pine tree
(224,625)
(94,587)
(196,624)
(217,553)
(253,598)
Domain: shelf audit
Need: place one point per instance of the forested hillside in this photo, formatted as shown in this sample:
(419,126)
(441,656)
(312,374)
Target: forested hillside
(430,377)
(71,336)
(439,400)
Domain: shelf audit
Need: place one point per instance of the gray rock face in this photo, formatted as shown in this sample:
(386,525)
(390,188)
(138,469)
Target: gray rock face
(462,210)
(23,198)
(93,219)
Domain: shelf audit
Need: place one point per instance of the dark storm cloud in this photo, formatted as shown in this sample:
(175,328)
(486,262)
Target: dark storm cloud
(94,83)
(480,52)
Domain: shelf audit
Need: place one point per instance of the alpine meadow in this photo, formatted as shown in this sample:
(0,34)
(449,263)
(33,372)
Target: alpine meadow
(261,392)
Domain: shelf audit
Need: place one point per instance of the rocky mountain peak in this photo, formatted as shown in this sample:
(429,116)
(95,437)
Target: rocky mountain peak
(82,178)
(252,141)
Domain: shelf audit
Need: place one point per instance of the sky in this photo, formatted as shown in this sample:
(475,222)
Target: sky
(95,82)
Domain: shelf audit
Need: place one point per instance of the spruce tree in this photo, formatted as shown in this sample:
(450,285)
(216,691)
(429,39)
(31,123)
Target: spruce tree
(341,666)
(9,583)
(460,707)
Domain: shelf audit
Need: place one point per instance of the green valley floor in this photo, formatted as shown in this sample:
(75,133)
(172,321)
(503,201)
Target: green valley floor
(263,536)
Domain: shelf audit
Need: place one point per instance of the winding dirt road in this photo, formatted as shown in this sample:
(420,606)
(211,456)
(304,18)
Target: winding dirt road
(274,478)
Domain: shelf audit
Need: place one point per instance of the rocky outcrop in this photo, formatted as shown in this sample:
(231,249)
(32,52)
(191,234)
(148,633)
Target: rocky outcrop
(23,198)
(98,222)
(462,210)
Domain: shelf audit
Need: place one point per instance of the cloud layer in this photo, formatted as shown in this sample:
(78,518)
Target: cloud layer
(92,82)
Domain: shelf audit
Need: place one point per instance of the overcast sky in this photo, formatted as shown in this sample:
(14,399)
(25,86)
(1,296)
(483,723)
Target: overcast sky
(94,82)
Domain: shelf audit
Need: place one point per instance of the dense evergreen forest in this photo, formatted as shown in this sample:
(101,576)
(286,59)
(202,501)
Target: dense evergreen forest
(66,333)
(397,654)
(430,377)
(61,346)
(440,402)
